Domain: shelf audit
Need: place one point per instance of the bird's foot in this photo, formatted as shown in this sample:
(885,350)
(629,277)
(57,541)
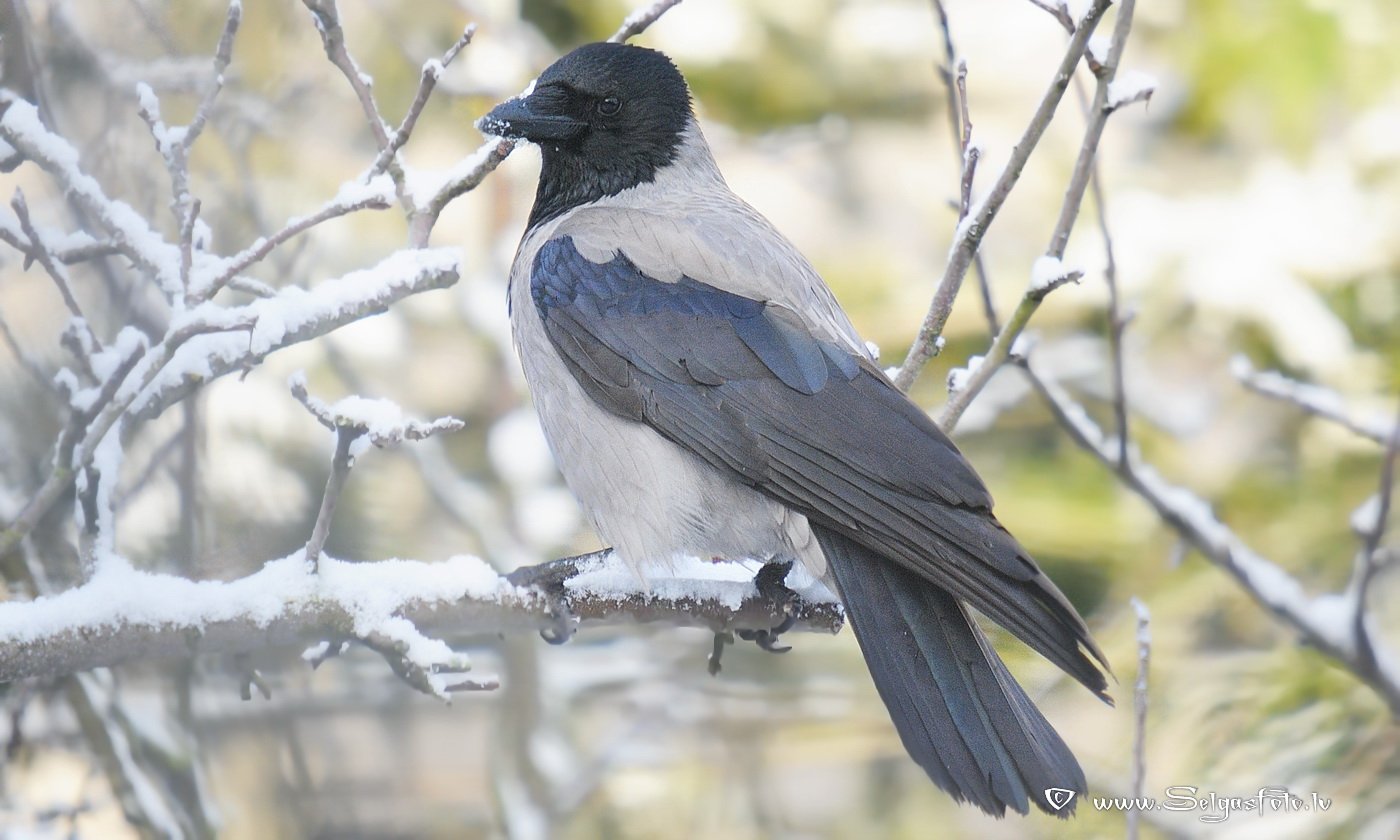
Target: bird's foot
(771,587)
(550,579)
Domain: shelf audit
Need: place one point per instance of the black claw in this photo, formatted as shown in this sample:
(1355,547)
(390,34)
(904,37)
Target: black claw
(771,586)
(550,579)
(717,651)
(565,623)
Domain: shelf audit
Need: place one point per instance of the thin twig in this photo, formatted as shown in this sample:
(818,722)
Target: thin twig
(1313,399)
(960,123)
(427,81)
(327,17)
(67,256)
(259,250)
(223,54)
(1144,656)
(41,253)
(29,363)
(1005,341)
(972,229)
(1370,562)
(1117,319)
(1058,11)
(335,483)
(638,21)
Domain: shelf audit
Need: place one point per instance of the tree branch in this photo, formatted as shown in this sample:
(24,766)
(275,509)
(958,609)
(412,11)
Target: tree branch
(125,615)
(973,228)
(1326,622)
(1313,399)
(1049,272)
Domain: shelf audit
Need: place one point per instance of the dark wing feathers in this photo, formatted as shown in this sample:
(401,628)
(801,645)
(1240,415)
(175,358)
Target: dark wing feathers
(746,387)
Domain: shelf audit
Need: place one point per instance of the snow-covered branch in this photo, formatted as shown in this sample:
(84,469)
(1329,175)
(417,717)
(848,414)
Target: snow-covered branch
(125,615)
(1336,624)
(1313,399)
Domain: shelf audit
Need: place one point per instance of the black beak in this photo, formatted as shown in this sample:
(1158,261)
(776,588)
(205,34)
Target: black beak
(519,118)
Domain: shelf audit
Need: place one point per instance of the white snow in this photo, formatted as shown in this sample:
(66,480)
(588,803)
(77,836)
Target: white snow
(726,583)
(21,126)
(382,421)
(120,595)
(1366,518)
(958,377)
(1048,272)
(872,349)
(379,189)
(424,184)
(265,324)
(1131,86)
(1098,47)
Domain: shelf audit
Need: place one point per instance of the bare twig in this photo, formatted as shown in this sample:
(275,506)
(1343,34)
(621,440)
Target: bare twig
(41,253)
(223,54)
(1117,319)
(335,484)
(327,17)
(1058,10)
(427,81)
(638,21)
(260,249)
(972,229)
(89,250)
(1144,656)
(959,121)
(30,364)
(1005,340)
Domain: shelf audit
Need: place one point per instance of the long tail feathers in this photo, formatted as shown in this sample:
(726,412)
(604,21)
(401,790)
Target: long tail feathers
(959,712)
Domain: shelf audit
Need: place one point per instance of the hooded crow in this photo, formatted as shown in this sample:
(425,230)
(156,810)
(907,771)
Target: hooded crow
(705,395)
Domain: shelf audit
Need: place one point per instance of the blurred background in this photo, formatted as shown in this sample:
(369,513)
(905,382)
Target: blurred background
(1254,205)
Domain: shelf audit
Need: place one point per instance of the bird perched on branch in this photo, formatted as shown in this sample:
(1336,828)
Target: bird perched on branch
(705,395)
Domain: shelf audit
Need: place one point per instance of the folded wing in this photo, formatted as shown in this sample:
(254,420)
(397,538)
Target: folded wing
(744,385)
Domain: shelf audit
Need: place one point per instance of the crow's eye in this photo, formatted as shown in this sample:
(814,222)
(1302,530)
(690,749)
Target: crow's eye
(608,106)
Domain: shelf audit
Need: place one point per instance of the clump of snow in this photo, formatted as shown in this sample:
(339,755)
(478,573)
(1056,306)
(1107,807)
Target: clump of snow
(1131,86)
(1365,520)
(379,189)
(381,422)
(1098,48)
(958,377)
(872,349)
(1049,272)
